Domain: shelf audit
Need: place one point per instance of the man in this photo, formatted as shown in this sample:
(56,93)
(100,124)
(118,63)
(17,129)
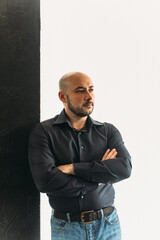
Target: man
(75,160)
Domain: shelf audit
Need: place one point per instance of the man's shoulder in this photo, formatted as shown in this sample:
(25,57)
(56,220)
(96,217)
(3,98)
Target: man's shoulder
(50,121)
(107,126)
(44,125)
(104,126)
(98,123)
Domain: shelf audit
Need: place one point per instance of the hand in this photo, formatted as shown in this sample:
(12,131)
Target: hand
(109,154)
(68,169)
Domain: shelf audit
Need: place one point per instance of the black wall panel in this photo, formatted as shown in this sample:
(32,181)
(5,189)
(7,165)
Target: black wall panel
(19,111)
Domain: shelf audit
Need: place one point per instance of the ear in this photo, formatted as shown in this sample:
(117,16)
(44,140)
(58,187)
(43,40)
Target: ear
(62,96)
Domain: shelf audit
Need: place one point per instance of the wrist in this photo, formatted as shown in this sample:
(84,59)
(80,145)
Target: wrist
(71,169)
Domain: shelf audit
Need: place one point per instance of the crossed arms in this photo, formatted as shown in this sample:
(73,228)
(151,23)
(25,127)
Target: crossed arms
(69,168)
(78,178)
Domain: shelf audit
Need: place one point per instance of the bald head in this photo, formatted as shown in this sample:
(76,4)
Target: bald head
(77,94)
(68,77)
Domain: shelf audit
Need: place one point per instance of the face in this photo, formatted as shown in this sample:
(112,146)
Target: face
(80,96)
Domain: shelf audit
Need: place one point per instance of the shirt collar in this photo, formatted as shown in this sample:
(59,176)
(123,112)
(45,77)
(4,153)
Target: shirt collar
(62,118)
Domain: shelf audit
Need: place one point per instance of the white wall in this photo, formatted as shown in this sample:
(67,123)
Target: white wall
(117,43)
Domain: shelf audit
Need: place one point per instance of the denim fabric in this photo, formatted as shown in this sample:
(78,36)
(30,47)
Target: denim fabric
(107,228)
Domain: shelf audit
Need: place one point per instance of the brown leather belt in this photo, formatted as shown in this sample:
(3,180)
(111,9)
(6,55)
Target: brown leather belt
(85,217)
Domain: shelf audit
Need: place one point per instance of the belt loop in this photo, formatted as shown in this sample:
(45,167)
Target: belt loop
(68,217)
(102,213)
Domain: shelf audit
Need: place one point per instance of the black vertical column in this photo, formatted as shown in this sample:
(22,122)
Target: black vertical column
(19,111)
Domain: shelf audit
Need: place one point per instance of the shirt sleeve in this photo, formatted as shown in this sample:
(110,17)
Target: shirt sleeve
(111,170)
(47,177)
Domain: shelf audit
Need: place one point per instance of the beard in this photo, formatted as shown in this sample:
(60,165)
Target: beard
(78,111)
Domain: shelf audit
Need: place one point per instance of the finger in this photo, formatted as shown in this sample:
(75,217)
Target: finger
(111,154)
(105,155)
(114,155)
(107,152)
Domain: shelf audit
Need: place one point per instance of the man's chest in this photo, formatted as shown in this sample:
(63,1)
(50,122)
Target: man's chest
(73,146)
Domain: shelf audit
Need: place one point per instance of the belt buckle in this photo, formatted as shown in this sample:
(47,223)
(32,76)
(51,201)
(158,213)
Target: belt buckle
(83,214)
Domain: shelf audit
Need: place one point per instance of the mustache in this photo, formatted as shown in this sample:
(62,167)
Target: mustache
(88,102)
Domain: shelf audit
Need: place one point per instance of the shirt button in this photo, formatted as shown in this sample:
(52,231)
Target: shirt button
(82,197)
(82,147)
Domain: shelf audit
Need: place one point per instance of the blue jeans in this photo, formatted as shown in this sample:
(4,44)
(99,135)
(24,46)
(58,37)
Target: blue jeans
(108,228)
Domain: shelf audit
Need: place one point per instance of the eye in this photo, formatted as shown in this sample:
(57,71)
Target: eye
(91,89)
(79,91)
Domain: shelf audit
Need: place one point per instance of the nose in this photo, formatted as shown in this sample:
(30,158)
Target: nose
(88,95)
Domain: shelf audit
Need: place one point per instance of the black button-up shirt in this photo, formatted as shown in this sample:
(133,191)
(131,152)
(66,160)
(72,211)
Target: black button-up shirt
(55,142)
